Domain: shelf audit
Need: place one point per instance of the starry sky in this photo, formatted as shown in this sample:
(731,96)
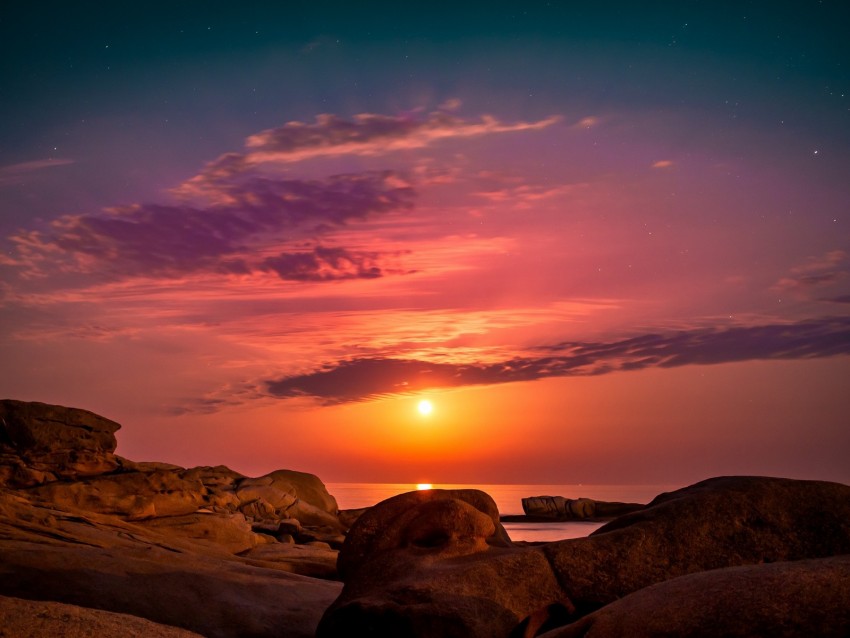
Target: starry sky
(609,243)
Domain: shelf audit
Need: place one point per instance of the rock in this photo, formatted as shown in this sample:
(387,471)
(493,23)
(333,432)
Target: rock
(40,442)
(230,533)
(37,619)
(399,522)
(258,510)
(135,495)
(347,517)
(289,526)
(292,495)
(98,560)
(791,599)
(415,568)
(213,597)
(566,509)
(316,561)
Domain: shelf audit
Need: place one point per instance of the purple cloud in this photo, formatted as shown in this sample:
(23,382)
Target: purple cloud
(324,264)
(173,240)
(368,378)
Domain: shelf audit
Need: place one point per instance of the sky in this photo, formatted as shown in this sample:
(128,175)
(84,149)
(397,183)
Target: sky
(608,242)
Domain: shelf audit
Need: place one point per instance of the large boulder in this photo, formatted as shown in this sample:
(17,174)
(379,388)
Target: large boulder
(422,577)
(41,442)
(795,599)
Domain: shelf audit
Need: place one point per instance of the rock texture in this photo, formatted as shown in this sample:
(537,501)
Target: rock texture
(467,585)
(205,549)
(795,599)
(37,619)
(40,443)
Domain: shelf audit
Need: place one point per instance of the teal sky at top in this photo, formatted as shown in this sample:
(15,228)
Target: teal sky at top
(181,82)
(63,49)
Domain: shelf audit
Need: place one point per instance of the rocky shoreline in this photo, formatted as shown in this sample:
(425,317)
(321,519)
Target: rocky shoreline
(92,542)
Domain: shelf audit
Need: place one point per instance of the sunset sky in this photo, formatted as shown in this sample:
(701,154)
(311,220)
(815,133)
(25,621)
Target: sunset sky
(609,242)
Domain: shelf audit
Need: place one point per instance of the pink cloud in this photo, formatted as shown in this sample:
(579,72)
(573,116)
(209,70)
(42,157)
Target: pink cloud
(816,273)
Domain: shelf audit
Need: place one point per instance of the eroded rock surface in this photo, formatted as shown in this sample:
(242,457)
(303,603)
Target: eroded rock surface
(467,585)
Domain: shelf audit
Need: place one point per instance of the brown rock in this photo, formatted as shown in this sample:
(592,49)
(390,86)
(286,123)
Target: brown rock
(231,533)
(136,495)
(399,581)
(37,619)
(308,560)
(398,522)
(292,495)
(795,599)
(213,597)
(41,442)
(98,560)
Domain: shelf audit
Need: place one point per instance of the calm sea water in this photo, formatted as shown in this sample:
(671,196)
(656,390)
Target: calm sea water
(509,500)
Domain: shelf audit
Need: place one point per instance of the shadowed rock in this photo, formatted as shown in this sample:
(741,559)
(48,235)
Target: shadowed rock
(467,586)
(32,619)
(796,599)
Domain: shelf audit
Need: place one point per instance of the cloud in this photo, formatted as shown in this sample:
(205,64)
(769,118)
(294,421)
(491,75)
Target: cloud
(368,378)
(371,134)
(173,240)
(333,136)
(324,264)
(816,273)
(662,164)
(12,173)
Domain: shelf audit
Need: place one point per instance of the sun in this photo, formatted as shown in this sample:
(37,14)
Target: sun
(424,486)
(425,407)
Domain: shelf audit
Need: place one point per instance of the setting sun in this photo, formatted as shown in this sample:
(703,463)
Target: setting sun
(423,486)
(425,407)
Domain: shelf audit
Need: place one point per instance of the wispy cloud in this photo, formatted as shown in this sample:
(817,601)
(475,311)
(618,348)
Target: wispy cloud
(815,274)
(12,173)
(333,136)
(368,378)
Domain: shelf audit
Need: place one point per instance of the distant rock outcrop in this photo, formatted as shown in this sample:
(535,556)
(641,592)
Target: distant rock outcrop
(559,508)
(438,573)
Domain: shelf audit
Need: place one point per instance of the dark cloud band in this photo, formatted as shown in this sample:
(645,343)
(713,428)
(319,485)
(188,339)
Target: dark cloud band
(368,378)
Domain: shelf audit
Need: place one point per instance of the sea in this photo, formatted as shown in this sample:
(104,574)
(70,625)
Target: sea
(509,501)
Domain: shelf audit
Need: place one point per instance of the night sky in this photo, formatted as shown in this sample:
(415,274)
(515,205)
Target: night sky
(607,242)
